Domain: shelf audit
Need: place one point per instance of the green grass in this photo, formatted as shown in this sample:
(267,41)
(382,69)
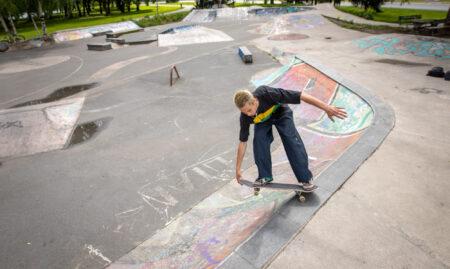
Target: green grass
(369,28)
(27,30)
(413,1)
(391,14)
(177,4)
(162,19)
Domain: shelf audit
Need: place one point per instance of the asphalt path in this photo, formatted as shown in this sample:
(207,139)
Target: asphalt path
(420,6)
(94,202)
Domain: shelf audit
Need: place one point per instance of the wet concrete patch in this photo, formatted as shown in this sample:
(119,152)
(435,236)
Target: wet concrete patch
(36,129)
(59,94)
(400,62)
(86,131)
(427,90)
(282,37)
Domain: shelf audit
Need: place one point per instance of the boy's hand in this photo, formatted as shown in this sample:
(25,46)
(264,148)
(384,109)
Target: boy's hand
(334,111)
(238,176)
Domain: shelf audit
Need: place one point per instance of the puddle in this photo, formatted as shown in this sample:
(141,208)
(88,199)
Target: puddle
(427,90)
(86,131)
(60,94)
(399,62)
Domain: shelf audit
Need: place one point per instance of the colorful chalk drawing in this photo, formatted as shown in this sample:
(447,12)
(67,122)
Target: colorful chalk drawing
(75,34)
(291,23)
(191,34)
(429,47)
(240,13)
(204,236)
(275,11)
(357,119)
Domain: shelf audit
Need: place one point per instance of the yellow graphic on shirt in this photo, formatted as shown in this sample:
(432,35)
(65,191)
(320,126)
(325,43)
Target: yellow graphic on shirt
(266,115)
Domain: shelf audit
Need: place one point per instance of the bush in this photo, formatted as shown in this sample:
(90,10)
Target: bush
(368,15)
(161,19)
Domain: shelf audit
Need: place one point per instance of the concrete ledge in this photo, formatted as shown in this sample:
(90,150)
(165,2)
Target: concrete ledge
(115,40)
(268,241)
(141,40)
(99,46)
(117,34)
(99,33)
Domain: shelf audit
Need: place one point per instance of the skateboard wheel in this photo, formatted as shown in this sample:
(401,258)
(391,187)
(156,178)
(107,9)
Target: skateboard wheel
(301,198)
(256,193)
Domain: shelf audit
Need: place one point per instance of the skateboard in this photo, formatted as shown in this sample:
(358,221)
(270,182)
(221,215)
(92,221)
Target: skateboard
(280,186)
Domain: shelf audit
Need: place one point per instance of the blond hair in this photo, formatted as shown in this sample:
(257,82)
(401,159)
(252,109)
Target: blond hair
(243,97)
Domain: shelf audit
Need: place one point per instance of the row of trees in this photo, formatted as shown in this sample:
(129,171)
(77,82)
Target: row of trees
(12,10)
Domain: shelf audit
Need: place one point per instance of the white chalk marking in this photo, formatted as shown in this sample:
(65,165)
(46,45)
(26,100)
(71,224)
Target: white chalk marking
(223,161)
(96,252)
(130,212)
(202,173)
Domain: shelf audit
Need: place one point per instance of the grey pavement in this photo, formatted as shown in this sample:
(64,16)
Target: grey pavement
(393,211)
(97,200)
(91,203)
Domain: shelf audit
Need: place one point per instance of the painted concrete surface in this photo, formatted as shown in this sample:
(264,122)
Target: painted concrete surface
(384,216)
(88,32)
(39,128)
(271,238)
(241,13)
(191,34)
(211,230)
(418,46)
(104,197)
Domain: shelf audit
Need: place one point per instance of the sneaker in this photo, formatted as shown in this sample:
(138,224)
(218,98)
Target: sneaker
(262,181)
(308,186)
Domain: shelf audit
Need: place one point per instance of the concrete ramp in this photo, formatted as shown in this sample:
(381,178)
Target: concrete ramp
(211,232)
(240,13)
(39,128)
(88,32)
(201,16)
(292,23)
(191,34)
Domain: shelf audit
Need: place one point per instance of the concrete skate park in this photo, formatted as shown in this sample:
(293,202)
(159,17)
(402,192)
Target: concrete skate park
(105,164)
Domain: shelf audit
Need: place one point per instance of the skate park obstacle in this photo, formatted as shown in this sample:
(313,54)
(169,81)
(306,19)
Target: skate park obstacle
(245,55)
(171,74)
(99,46)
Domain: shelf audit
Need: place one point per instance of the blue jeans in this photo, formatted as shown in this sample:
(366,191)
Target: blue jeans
(293,145)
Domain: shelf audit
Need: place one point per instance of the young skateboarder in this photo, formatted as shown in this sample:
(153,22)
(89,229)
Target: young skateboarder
(266,107)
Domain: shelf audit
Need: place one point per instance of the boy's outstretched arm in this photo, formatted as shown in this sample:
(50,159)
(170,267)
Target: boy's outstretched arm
(240,156)
(332,111)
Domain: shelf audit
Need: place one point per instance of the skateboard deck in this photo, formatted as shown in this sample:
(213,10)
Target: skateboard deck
(280,186)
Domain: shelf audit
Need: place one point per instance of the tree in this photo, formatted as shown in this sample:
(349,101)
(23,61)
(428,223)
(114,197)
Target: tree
(137,3)
(5,27)
(375,4)
(7,10)
(41,16)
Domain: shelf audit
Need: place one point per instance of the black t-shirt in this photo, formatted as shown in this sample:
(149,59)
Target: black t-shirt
(272,104)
